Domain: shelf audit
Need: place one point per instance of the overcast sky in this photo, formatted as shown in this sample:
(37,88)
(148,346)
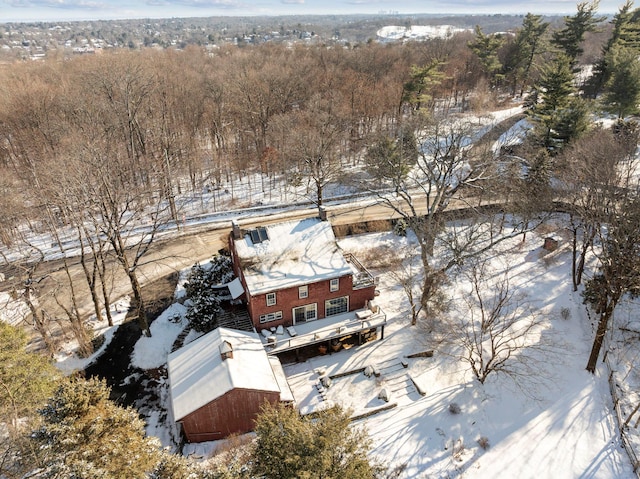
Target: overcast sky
(47,10)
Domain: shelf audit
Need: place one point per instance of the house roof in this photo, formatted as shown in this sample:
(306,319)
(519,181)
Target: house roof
(293,254)
(198,375)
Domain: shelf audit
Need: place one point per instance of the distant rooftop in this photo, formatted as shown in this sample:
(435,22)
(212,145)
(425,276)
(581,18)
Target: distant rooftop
(290,254)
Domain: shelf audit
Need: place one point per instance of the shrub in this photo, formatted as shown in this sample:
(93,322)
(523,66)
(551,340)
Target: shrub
(483,442)
(454,408)
(400,227)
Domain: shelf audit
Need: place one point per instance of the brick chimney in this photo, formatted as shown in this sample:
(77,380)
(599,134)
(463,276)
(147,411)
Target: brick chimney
(323,213)
(235,230)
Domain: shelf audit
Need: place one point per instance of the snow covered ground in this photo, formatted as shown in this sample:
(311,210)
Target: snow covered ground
(558,423)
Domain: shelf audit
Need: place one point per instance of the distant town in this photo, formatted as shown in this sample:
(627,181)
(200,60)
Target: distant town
(34,41)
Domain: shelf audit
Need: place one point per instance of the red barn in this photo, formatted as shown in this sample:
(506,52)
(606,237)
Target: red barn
(219,382)
(295,272)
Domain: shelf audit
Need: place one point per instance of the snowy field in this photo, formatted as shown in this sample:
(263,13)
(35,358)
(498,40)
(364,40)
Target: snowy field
(394,33)
(557,423)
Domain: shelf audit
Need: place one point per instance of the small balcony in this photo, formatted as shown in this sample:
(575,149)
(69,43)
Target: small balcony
(362,278)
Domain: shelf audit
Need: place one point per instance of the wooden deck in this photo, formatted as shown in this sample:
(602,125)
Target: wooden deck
(327,329)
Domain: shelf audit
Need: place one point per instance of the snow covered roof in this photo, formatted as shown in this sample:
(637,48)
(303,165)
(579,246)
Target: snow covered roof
(293,254)
(417,32)
(235,288)
(198,374)
(286,395)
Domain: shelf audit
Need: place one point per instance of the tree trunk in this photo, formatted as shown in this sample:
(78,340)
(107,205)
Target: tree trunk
(91,277)
(107,302)
(603,324)
(583,254)
(429,288)
(141,313)
(39,323)
(574,254)
(319,192)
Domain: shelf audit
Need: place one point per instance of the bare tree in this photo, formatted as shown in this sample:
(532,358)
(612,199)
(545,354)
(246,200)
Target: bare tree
(592,171)
(407,273)
(493,325)
(315,135)
(435,174)
(26,289)
(129,224)
(619,267)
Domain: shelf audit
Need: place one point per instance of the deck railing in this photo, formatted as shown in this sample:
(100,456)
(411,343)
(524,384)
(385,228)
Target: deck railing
(323,334)
(362,277)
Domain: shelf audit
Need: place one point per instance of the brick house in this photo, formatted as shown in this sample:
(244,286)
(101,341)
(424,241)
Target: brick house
(294,272)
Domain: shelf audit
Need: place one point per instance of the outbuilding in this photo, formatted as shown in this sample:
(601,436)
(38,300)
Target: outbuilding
(219,382)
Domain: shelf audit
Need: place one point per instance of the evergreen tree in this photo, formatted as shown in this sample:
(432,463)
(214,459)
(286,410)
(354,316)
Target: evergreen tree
(172,466)
(325,446)
(558,114)
(418,91)
(570,38)
(204,299)
(529,43)
(26,381)
(87,436)
(486,48)
(625,33)
(572,122)
(623,88)
(392,157)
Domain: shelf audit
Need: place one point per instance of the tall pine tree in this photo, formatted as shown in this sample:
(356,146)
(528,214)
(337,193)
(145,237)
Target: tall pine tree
(530,42)
(559,115)
(569,39)
(486,48)
(623,88)
(626,34)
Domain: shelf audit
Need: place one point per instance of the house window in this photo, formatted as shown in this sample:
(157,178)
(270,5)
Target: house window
(334,285)
(305,313)
(271,299)
(303,292)
(265,318)
(336,306)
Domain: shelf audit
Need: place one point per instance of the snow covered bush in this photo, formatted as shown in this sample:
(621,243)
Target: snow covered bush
(204,298)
